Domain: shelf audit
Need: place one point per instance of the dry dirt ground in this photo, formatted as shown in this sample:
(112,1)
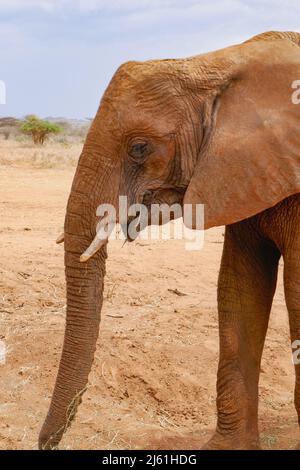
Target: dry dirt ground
(153,380)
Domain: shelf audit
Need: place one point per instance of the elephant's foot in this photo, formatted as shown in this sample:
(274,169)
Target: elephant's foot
(239,442)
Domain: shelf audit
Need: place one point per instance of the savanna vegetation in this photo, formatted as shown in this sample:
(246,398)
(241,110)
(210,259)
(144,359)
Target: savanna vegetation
(38,130)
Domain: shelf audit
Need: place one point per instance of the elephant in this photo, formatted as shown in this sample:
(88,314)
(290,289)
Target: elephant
(219,129)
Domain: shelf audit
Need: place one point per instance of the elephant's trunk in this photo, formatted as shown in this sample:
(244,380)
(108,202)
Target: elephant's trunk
(84,297)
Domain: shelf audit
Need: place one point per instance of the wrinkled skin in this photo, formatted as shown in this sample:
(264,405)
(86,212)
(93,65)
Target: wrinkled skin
(218,129)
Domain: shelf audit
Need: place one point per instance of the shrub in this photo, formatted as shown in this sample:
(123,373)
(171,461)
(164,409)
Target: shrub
(39,129)
(9,126)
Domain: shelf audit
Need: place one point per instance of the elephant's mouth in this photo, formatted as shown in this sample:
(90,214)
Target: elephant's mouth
(163,196)
(168,197)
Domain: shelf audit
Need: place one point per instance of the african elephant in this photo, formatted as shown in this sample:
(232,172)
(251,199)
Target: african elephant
(220,129)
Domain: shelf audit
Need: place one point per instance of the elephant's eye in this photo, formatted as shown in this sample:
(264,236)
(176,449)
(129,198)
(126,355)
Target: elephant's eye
(139,150)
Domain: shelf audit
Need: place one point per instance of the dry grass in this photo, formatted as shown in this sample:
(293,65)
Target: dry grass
(50,155)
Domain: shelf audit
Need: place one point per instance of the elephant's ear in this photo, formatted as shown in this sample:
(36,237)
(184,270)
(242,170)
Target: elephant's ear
(253,159)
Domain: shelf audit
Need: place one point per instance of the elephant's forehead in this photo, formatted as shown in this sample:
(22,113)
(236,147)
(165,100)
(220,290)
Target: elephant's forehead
(132,107)
(137,82)
(140,97)
(154,120)
(126,114)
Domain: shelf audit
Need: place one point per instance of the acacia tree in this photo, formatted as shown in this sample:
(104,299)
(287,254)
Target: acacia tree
(39,129)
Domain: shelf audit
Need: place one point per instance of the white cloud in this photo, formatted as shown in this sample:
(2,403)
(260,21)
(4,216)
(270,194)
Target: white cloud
(85,4)
(25,4)
(146,12)
(148,4)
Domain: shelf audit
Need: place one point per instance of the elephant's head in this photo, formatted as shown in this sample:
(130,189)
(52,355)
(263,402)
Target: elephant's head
(218,129)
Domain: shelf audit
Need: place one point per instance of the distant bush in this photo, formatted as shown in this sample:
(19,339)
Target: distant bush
(9,126)
(72,130)
(39,129)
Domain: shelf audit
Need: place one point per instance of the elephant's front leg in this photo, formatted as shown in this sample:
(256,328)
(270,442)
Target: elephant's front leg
(246,286)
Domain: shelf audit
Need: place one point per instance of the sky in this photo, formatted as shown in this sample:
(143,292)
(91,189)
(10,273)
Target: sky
(57,56)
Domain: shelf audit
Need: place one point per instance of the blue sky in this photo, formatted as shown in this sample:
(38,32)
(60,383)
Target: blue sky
(57,56)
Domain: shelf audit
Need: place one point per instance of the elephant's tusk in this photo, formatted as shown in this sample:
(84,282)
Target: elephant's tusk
(98,241)
(61,238)
(95,246)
